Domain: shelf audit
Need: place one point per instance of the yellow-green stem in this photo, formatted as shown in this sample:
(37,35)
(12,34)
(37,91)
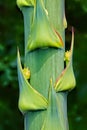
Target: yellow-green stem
(45,64)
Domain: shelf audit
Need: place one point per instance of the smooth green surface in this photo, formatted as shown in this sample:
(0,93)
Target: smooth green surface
(28,18)
(11,36)
(41,63)
(56,14)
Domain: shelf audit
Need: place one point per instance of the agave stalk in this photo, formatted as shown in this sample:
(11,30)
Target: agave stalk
(43,80)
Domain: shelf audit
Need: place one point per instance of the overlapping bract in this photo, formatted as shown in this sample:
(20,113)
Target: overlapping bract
(29,98)
(66,80)
(42,34)
(54,119)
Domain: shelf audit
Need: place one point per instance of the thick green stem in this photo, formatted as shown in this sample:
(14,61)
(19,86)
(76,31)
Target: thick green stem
(56,11)
(28,17)
(45,64)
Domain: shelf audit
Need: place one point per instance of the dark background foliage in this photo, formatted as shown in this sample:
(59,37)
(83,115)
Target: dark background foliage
(12,35)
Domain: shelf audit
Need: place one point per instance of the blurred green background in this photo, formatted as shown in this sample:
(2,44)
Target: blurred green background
(12,35)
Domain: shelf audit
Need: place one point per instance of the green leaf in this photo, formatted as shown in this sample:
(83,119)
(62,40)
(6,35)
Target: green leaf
(42,34)
(55,114)
(29,98)
(66,80)
(23,3)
